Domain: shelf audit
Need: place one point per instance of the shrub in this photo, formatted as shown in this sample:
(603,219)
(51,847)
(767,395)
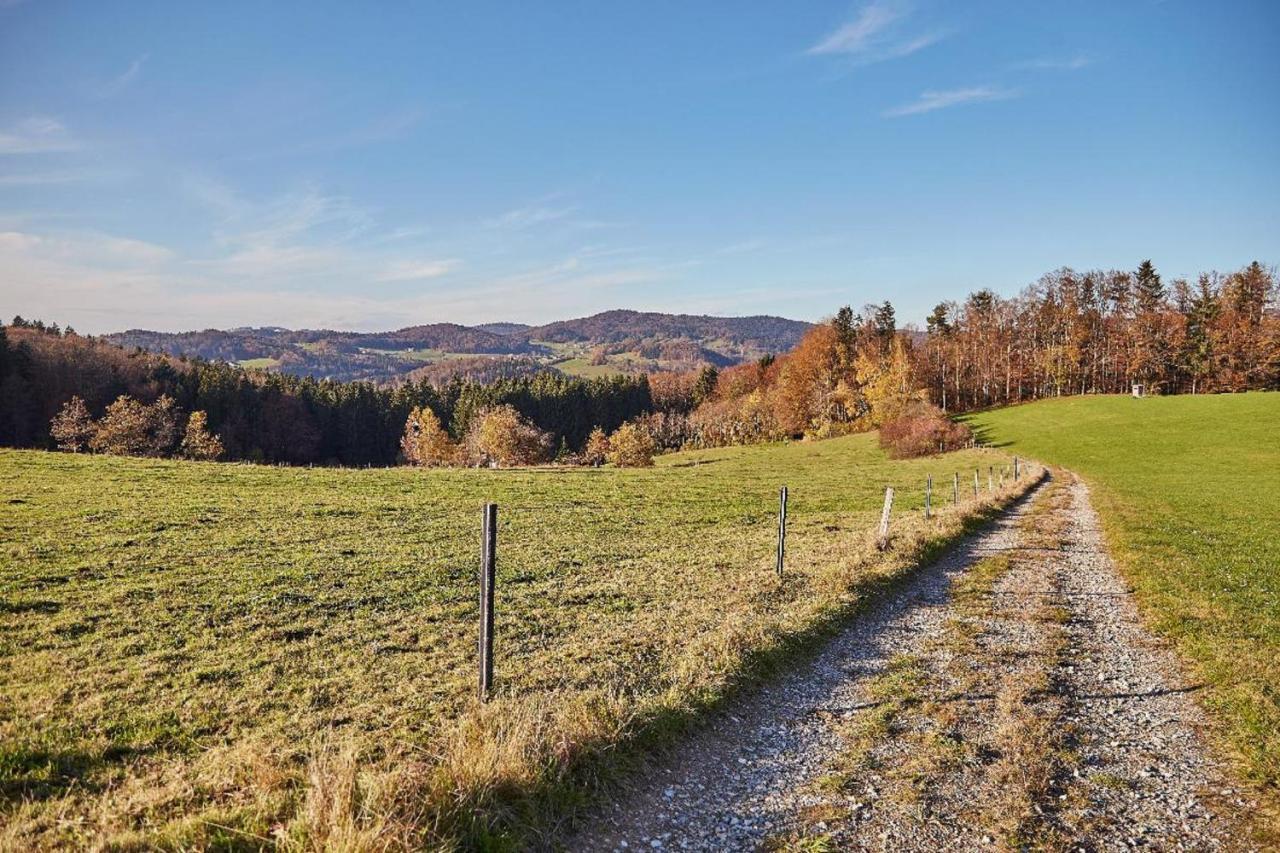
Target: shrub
(72,428)
(499,437)
(631,446)
(923,429)
(425,441)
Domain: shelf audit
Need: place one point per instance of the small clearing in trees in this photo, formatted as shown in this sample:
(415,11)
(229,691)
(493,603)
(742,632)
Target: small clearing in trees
(1006,697)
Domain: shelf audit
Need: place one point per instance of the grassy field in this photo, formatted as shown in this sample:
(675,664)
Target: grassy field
(260,363)
(197,655)
(1187,488)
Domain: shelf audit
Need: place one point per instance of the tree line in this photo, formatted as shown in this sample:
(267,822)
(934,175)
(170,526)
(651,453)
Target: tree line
(1101,332)
(1069,333)
(278,418)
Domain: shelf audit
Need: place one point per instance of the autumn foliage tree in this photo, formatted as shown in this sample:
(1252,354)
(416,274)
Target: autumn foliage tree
(597,450)
(631,446)
(125,429)
(499,437)
(198,442)
(426,442)
(73,427)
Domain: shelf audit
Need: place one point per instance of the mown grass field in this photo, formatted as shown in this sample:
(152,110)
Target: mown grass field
(197,655)
(1187,489)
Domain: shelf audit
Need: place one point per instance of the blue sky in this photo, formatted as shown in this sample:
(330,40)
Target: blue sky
(369,166)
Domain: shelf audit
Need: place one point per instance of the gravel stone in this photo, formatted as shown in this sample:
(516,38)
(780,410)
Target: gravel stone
(1144,777)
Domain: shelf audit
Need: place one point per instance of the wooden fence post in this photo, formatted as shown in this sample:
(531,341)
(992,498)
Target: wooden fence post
(991,478)
(955,488)
(782,528)
(928,495)
(882,540)
(488,576)
(1017,472)
(975,484)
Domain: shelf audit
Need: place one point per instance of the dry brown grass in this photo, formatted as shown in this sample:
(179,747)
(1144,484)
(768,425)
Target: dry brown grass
(283,666)
(513,761)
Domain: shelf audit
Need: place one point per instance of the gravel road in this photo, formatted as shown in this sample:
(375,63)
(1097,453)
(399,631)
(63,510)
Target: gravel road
(1138,774)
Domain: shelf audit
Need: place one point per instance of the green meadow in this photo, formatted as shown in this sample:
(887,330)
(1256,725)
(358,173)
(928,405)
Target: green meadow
(217,655)
(1188,488)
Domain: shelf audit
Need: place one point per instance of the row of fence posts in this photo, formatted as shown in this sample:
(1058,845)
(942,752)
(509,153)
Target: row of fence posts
(489,553)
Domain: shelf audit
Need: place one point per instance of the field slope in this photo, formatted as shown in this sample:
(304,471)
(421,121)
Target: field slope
(198,654)
(1188,488)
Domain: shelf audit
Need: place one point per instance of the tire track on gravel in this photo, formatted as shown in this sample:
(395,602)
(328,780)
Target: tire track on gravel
(740,780)
(1057,661)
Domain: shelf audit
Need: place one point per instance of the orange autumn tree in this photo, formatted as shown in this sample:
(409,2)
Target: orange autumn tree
(425,442)
(888,384)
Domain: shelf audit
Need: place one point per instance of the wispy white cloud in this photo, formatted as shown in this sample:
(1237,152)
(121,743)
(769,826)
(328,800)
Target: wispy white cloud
(419,270)
(527,217)
(861,33)
(1072,63)
(311,258)
(277,227)
(124,79)
(931,100)
(70,278)
(36,135)
(875,34)
(91,248)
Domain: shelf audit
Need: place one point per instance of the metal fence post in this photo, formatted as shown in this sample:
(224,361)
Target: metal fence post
(782,528)
(488,576)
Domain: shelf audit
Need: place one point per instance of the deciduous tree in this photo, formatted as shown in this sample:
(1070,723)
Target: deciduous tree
(597,449)
(124,429)
(425,441)
(198,442)
(631,446)
(72,428)
(499,437)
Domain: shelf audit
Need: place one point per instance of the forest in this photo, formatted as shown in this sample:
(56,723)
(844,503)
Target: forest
(275,417)
(1069,333)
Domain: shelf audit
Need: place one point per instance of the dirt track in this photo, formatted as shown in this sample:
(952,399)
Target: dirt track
(1006,696)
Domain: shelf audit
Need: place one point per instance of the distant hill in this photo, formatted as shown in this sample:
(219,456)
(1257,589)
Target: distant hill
(504,328)
(750,336)
(611,342)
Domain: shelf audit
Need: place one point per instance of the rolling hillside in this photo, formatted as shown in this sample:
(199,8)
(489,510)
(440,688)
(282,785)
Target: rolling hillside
(611,342)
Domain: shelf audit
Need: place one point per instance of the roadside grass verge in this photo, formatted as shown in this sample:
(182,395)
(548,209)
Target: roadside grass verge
(1186,487)
(230,656)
